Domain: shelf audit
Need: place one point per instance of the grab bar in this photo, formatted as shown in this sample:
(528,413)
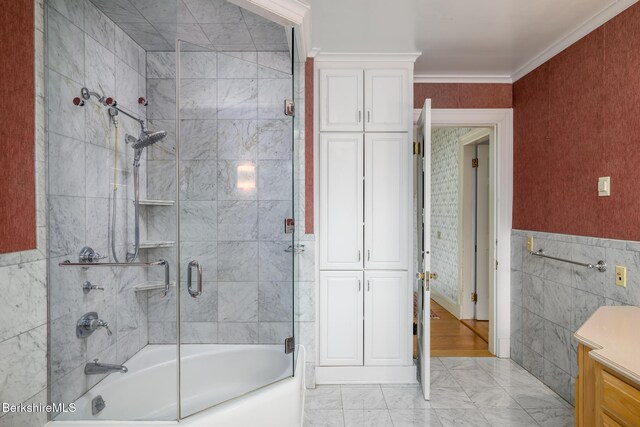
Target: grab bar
(162,262)
(600,266)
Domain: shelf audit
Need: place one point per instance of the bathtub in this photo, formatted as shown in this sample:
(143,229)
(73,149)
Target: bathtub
(232,377)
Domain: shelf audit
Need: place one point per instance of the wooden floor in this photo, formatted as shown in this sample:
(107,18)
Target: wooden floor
(480,327)
(451,338)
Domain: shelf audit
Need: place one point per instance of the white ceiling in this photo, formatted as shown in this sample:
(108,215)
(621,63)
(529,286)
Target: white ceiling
(460,39)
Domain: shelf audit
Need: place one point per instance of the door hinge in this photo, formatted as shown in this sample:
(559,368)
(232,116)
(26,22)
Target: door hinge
(474,163)
(289,225)
(289,345)
(474,297)
(496,264)
(416,148)
(289,107)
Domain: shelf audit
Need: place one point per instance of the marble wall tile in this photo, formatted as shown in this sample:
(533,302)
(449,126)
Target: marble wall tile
(557,346)
(237,261)
(119,10)
(227,34)
(65,47)
(198,65)
(27,419)
(146,35)
(274,332)
(98,180)
(237,220)
(532,290)
(199,139)
(237,302)
(67,351)
(271,95)
(305,303)
(233,67)
(199,333)
(161,65)
(127,92)
(271,216)
(198,99)
(238,333)
(275,301)
(584,278)
(161,308)
(228,181)
(67,166)
(67,216)
(559,272)
(206,11)
(161,179)
(198,180)
(125,48)
(238,98)
(98,216)
(533,362)
(166,148)
(556,300)
(265,33)
(162,333)
(23,372)
(156,11)
(558,380)
(98,26)
(237,139)
(73,10)
(63,116)
(206,254)
(161,94)
(204,308)
(274,262)
(100,74)
(274,140)
(533,330)
(199,221)
(516,321)
(274,65)
(516,288)
(23,306)
(274,180)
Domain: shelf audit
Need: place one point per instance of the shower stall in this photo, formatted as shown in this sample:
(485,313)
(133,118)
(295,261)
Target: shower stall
(171,153)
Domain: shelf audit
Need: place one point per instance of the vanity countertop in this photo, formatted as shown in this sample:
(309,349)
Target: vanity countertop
(614,335)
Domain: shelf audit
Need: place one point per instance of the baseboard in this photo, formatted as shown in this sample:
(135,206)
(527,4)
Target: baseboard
(446,303)
(366,375)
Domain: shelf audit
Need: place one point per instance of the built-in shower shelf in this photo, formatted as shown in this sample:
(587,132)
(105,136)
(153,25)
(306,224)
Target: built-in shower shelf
(150,202)
(155,245)
(152,285)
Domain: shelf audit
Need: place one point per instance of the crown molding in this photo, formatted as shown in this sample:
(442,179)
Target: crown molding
(368,57)
(587,27)
(462,79)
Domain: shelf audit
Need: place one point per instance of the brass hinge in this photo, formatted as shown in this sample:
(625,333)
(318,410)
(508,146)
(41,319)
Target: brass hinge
(474,163)
(474,297)
(416,148)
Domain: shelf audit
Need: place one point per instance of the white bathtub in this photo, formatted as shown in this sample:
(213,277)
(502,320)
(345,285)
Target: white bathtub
(241,376)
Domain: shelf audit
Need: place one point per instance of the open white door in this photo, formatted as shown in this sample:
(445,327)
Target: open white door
(423,237)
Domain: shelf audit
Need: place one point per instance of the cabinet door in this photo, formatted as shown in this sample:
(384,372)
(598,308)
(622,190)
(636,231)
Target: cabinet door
(341,200)
(386,319)
(341,311)
(386,101)
(341,100)
(386,169)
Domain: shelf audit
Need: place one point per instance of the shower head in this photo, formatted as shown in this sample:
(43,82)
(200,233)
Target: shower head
(149,138)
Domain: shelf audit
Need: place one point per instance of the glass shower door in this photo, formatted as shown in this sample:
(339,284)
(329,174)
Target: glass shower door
(235,197)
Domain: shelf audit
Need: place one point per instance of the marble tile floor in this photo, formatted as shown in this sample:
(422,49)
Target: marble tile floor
(464,392)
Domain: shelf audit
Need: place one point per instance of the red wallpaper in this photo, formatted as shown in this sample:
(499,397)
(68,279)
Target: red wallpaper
(463,95)
(308,146)
(17,174)
(576,118)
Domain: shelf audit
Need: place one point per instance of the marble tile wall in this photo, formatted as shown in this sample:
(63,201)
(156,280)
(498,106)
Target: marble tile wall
(551,300)
(23,308)
(231,116)
(85,48)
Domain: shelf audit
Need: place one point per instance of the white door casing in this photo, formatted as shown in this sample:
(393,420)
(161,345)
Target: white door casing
(483,256)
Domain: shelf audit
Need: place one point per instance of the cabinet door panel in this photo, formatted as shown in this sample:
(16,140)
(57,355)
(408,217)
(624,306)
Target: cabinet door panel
(341,312)
(386,201)
(387,322)
(386,100)
(341,100)
(341,200)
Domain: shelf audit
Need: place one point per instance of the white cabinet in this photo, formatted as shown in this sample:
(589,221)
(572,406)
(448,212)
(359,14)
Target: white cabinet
(341,312)
(386,320)
(386,201)
(385,100)
(370,100)
(341,100)
(341,201)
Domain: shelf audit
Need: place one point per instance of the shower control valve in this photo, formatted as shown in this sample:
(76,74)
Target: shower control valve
(88,323)
(143,101)
(88,287)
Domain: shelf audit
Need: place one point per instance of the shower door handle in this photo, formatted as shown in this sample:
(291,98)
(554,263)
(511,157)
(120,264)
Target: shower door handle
(199,269)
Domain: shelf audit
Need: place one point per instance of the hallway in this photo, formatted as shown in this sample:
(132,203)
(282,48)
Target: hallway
(451,338)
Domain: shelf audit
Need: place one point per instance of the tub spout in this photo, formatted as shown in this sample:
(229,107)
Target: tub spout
(95,368)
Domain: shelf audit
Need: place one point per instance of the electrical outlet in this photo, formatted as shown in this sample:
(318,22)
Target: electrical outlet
(621,276)
(530,243)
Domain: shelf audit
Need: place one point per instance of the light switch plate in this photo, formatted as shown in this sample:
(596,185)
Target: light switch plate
(621,276)
(604,186)
(530,243)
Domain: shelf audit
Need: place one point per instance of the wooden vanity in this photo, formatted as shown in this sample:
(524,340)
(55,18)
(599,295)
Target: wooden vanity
(608,382)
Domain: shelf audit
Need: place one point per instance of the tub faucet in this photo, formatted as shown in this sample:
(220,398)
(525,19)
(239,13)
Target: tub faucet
(95,368)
